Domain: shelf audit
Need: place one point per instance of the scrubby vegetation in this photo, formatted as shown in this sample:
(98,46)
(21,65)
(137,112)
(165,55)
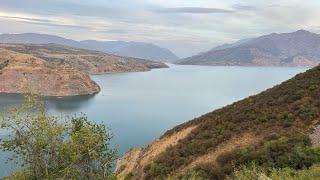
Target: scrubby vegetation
(254,172)
(294,152)
(49,147)
(290,108)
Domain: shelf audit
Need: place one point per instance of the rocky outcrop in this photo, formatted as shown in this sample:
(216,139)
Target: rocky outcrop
(127,163)
(92,62)
(22,73)
(315,136)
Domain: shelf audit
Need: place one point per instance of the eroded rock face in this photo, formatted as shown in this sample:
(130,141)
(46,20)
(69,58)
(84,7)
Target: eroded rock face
(315,136)
(134,161)
(21,73)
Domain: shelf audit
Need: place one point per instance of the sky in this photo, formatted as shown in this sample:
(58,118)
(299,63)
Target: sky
(186,27)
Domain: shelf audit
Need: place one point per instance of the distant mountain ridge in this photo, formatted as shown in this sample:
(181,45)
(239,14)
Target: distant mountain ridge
(300,48)
(92,62)
(121,48)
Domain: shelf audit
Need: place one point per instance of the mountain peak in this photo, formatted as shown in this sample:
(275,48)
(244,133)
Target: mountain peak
(302,31)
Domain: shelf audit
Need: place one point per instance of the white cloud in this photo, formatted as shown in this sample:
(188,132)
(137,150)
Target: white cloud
(187,27)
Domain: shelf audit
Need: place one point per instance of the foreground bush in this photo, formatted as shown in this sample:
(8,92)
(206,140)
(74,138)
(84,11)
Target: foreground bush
(48,147)
(255,173)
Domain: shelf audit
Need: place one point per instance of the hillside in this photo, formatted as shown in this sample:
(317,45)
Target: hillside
(274,129)
(121,48)
(92,62)
(300,48)
(22,73)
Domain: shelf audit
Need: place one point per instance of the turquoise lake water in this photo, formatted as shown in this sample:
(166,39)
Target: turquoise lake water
(139,107)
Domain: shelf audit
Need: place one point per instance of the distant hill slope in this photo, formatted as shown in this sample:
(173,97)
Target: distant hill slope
(92,62)
(271,129)
(131,49)
(22,73)
(121,48)
(300,48)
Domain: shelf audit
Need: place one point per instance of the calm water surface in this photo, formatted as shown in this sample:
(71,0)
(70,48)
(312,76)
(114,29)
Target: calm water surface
(139,107)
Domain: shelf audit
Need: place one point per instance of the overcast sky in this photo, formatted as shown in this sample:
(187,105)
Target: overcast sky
(184,26)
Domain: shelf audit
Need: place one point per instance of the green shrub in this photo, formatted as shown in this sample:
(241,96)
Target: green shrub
(294,152)
(257,173)
(48,147)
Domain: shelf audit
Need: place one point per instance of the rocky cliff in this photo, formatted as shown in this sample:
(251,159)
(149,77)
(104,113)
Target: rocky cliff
(22,73)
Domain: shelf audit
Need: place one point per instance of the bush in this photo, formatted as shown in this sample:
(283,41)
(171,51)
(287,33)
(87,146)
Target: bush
(254,172)
(48,147)
(294,152)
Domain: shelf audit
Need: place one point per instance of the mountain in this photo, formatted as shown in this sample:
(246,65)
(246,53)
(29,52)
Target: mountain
(226,46)
(22,73)
(131,49)
(121,48)
(278,128)
(92,62)
(300,48)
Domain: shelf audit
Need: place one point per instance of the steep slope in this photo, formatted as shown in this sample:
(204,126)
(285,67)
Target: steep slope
(121,48)
(259,128)
(22,73)
(300,48)
(92,62)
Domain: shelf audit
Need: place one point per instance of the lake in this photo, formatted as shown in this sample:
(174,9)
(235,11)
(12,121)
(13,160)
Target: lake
(139,107)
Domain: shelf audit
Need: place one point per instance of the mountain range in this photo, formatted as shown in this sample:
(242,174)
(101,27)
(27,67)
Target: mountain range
(122,48)
(300,48)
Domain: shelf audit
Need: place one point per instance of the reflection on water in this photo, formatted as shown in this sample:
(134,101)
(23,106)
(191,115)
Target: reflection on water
(67,104)
(139,107)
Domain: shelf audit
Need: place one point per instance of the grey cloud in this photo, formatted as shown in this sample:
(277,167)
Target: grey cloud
(116,31)
(60,7)
(25,19)
(194,10)
(43,22)
(60,25)
(243,7)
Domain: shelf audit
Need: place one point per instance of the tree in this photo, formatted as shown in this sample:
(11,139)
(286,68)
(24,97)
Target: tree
(50,147)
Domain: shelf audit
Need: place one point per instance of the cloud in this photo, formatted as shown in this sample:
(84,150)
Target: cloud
(41,20)
(185,26)
(243,7)
(24,19)
(194,10)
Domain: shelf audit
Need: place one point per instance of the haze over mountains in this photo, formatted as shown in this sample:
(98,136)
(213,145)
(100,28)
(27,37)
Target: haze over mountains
(121,48)
(300,48)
